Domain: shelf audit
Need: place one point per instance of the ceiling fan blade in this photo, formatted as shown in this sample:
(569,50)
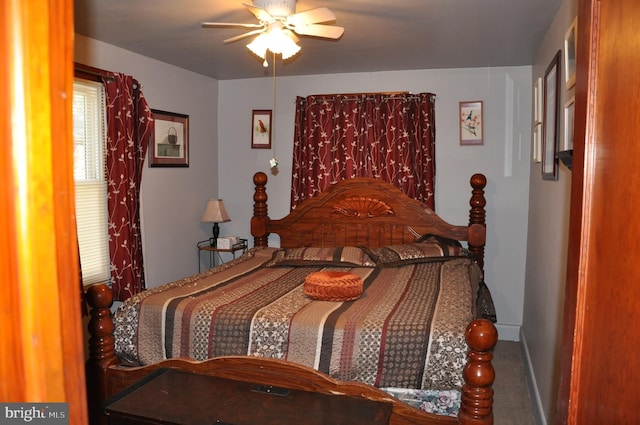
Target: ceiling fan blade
(258,12)
(241,36)
(312,16)
(316,30)
(229,24)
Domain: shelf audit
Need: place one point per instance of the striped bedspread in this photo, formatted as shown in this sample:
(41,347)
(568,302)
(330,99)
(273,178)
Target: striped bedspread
(406,330)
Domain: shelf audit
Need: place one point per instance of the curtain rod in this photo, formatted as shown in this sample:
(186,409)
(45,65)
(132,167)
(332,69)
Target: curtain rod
(368,96)
(98,74)
(384,93)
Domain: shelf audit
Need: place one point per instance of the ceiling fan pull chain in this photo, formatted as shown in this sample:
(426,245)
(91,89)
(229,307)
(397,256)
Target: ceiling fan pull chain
(274,161)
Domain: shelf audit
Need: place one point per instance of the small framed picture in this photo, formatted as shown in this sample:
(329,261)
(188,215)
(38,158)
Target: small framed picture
(569,113)
(551,118)
(570,47)
(471,124)
(261,129)
(170,147)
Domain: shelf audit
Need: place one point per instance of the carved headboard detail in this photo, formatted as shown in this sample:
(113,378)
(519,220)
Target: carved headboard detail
(358,206)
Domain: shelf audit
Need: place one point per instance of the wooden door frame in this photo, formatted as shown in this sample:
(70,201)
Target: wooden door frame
(40,323)
(582,88)
(599,361)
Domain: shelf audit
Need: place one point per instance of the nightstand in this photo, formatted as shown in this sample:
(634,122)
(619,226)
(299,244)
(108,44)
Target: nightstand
(205,245)
(172,396)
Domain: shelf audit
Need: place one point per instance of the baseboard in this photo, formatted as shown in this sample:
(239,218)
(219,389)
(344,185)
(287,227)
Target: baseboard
(508,332)
(536,403)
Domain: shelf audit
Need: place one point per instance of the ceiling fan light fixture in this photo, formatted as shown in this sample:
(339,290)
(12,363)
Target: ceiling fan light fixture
(276,41)
(279,27)
(281,43)
(277,8)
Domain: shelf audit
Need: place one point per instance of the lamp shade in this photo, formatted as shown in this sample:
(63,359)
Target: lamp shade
(215,212)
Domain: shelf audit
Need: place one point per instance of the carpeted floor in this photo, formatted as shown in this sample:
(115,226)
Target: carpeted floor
(511,401)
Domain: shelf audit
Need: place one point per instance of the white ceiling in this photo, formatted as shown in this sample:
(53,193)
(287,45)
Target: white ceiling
(380,35)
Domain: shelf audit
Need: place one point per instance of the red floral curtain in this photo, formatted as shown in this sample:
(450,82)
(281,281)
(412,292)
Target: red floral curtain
(129,128)
(390,137)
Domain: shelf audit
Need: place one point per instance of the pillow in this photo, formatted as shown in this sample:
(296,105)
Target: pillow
(344,256)
(428,237)
(417,252)
(484,304)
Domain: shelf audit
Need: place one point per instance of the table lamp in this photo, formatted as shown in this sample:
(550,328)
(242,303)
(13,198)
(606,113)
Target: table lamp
(215,213)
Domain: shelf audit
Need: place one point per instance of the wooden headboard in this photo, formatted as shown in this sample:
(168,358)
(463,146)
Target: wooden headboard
(365,212)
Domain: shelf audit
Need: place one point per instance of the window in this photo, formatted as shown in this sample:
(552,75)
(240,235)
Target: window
(89,142)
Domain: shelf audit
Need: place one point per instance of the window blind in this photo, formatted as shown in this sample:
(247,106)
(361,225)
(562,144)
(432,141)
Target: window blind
(89,137)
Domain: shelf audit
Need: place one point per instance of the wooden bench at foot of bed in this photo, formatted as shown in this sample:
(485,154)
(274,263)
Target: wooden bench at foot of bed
(105,377)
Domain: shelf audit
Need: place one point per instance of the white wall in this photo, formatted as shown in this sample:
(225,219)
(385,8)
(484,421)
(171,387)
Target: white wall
(222,162)
(504,158)
(173,199)
(547,249)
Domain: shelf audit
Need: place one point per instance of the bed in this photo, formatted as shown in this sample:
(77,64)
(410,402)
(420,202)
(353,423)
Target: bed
(255,319)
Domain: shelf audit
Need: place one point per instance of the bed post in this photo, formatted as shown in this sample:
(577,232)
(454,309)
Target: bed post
(477,218)
(101,350)
(477,394)
(260,217)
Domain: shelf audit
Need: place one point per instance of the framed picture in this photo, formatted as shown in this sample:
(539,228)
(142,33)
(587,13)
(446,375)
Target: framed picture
(570,47)
(261,129)
(536,150)
(471,124)
(170,147)
(569,113)
(537,101)
(551,118)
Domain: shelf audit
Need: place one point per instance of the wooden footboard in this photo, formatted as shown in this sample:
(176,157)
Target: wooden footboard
(105,377)
(102,354)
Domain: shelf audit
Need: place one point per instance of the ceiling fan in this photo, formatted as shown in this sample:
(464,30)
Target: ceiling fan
(278,25)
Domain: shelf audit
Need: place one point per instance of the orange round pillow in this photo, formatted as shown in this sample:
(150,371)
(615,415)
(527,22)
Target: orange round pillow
(333,286)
